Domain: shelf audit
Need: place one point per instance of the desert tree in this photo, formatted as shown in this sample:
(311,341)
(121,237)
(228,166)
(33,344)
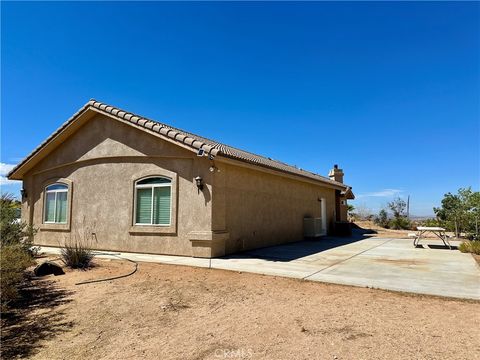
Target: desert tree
(460,212)
(398,208)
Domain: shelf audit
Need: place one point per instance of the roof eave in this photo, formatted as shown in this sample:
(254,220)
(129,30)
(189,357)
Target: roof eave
(16,173)
(169,135)
(175,136)
(328,183)
(349,193)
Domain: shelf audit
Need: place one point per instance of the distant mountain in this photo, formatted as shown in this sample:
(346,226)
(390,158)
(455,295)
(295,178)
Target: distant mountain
(422,217)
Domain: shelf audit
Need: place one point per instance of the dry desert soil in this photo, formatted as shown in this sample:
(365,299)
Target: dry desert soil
(175,312)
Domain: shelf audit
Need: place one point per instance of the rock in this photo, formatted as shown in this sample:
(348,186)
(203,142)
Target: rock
(47,268)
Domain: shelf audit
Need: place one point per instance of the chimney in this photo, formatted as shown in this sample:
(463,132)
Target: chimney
(336,174)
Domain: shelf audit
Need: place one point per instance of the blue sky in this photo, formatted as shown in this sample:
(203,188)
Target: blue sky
(389,91)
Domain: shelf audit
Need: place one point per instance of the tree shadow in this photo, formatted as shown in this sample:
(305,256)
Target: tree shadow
(33,318)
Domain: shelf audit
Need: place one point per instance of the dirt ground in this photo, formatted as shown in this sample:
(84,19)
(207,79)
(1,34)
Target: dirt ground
(175,312)
(387,233)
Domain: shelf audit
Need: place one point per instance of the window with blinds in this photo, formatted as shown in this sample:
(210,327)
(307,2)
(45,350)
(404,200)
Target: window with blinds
(56,199)
(153,201)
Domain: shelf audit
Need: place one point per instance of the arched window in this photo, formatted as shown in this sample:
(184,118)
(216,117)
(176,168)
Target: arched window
(153,201)
(56,198)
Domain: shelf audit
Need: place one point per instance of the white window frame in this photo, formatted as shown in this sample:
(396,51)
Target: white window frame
(152,186)
(55,191)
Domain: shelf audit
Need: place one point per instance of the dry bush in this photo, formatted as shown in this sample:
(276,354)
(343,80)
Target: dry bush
(470,246)
(77,252)
(175,302)
(362,212)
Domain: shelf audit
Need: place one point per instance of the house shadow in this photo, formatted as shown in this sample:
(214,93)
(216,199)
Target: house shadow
(296,250)
(30,319)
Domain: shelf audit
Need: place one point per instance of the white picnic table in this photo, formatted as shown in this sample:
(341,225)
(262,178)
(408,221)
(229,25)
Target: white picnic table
(438,231)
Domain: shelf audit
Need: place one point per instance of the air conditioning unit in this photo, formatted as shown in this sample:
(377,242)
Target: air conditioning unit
(312,227)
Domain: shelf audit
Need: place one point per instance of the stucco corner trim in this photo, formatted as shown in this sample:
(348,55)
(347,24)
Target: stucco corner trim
(208,244)
(207,236)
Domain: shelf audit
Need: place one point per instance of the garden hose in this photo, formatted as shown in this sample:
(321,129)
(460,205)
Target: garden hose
(113,277)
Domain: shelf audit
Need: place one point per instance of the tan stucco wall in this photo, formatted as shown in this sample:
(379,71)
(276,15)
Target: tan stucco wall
(241,207)
(102,160)
(344,210)
(261,209)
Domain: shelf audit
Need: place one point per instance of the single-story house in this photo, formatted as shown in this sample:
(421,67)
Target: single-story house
(137,185)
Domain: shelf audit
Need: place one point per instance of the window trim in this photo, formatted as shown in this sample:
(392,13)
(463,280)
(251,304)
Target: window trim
(148,171)
(152,186)
(55,191)
(52,226)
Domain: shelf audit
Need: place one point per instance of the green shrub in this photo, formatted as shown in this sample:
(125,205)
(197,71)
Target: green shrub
(399,223)
(470,246)
(12,230)
(430,222)
(76,254)
(381,219)
(15,249)
(13,262)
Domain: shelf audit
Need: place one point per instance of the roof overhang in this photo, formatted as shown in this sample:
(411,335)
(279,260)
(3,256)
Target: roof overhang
(348,193)
(244,164)
(191,142)
(51,143)
(79,119)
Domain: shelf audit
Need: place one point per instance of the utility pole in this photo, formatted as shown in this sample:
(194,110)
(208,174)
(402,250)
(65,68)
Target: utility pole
(408,207)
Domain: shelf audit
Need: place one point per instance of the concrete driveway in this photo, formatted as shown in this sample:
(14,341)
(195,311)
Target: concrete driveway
(391,264)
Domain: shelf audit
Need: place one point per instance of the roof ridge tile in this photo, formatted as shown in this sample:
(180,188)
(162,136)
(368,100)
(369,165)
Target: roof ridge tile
(189,139)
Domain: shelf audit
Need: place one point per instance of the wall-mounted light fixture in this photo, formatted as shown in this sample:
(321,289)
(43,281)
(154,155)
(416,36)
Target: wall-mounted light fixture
(24,193)
(199,182)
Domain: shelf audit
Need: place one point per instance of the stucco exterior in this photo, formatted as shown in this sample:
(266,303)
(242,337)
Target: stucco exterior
(240,207)
(260,209)
(101,162)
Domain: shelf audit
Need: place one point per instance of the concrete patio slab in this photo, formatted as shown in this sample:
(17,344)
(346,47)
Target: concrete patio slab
(390,264)
(265,267)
